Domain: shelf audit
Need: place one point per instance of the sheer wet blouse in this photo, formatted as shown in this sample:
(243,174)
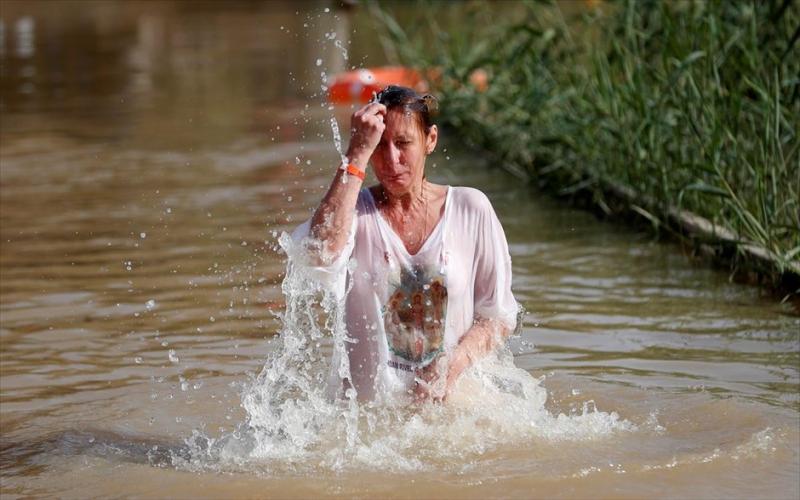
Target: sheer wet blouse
(405,310)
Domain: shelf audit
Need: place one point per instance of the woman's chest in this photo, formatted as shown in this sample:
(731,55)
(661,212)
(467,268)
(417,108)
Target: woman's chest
(444,263)
(412,228)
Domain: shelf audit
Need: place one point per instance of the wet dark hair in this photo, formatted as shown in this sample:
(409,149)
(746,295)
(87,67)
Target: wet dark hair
(423,107)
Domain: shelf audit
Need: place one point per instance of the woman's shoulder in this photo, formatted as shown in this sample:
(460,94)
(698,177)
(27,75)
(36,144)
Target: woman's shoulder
(470,199)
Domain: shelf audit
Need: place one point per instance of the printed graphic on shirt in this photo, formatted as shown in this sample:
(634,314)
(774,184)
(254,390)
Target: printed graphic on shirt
(414,314)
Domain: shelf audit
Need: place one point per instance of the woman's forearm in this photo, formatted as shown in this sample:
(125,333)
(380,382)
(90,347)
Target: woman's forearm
(480,340)
(332,220)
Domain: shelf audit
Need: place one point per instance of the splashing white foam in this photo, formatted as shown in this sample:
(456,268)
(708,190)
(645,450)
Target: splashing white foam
(292,421)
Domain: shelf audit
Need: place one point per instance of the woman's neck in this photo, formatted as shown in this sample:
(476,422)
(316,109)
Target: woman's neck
(414,198)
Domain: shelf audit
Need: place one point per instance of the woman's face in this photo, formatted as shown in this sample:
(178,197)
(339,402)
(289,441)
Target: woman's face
(399,159)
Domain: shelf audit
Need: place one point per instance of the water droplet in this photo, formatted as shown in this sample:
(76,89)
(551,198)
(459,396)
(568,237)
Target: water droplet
(138,360)
(319,62)
(150,304)
(142,235)
(173,358)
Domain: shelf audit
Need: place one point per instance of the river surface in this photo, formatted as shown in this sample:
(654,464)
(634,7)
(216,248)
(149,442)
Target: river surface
(152,154)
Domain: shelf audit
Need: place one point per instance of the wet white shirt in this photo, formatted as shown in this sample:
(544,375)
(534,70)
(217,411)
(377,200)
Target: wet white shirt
(405,310)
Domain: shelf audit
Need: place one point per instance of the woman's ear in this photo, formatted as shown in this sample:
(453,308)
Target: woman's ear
(431,139)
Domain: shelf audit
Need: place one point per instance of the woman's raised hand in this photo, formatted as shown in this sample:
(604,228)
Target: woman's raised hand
(366,128)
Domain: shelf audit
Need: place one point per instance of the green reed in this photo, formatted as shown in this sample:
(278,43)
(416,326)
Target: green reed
(691,105)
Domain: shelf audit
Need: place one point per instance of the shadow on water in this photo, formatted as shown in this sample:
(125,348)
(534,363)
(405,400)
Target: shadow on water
(30,458)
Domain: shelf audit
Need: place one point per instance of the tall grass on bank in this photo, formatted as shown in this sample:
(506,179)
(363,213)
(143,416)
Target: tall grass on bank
(685,106)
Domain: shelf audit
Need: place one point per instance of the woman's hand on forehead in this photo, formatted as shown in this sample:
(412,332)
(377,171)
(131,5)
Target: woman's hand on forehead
(366,128)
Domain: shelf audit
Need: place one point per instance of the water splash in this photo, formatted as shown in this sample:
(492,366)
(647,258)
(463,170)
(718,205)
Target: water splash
(337,141)
(293,420)
(288,408)
(339,45)
(337,137)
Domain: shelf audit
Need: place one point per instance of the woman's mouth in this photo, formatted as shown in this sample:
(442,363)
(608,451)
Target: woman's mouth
(396,177)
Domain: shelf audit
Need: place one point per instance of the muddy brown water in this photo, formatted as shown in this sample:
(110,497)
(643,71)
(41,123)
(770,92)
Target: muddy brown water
(150,154)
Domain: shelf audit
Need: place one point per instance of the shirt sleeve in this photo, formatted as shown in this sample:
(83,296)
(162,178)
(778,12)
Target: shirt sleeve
(331,276)
(492,292)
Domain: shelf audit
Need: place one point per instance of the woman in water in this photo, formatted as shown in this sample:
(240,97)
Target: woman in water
(410,238)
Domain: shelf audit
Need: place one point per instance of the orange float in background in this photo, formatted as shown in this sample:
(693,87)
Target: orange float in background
(359,86)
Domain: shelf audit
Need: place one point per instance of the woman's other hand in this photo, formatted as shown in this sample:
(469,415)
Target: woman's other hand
(366,128)
(436,381)
(430,382)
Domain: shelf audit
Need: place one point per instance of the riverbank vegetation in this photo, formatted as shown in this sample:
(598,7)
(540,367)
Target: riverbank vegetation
(682,114)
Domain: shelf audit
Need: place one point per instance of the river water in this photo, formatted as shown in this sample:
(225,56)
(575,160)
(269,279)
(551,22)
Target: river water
(153,153)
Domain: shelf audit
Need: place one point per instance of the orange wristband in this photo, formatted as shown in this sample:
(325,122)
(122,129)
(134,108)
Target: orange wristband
(353,170)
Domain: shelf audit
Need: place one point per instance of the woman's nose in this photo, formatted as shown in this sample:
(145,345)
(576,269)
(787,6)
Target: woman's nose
(391,154)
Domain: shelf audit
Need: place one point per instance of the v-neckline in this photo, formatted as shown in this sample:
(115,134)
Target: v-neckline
(388,227)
